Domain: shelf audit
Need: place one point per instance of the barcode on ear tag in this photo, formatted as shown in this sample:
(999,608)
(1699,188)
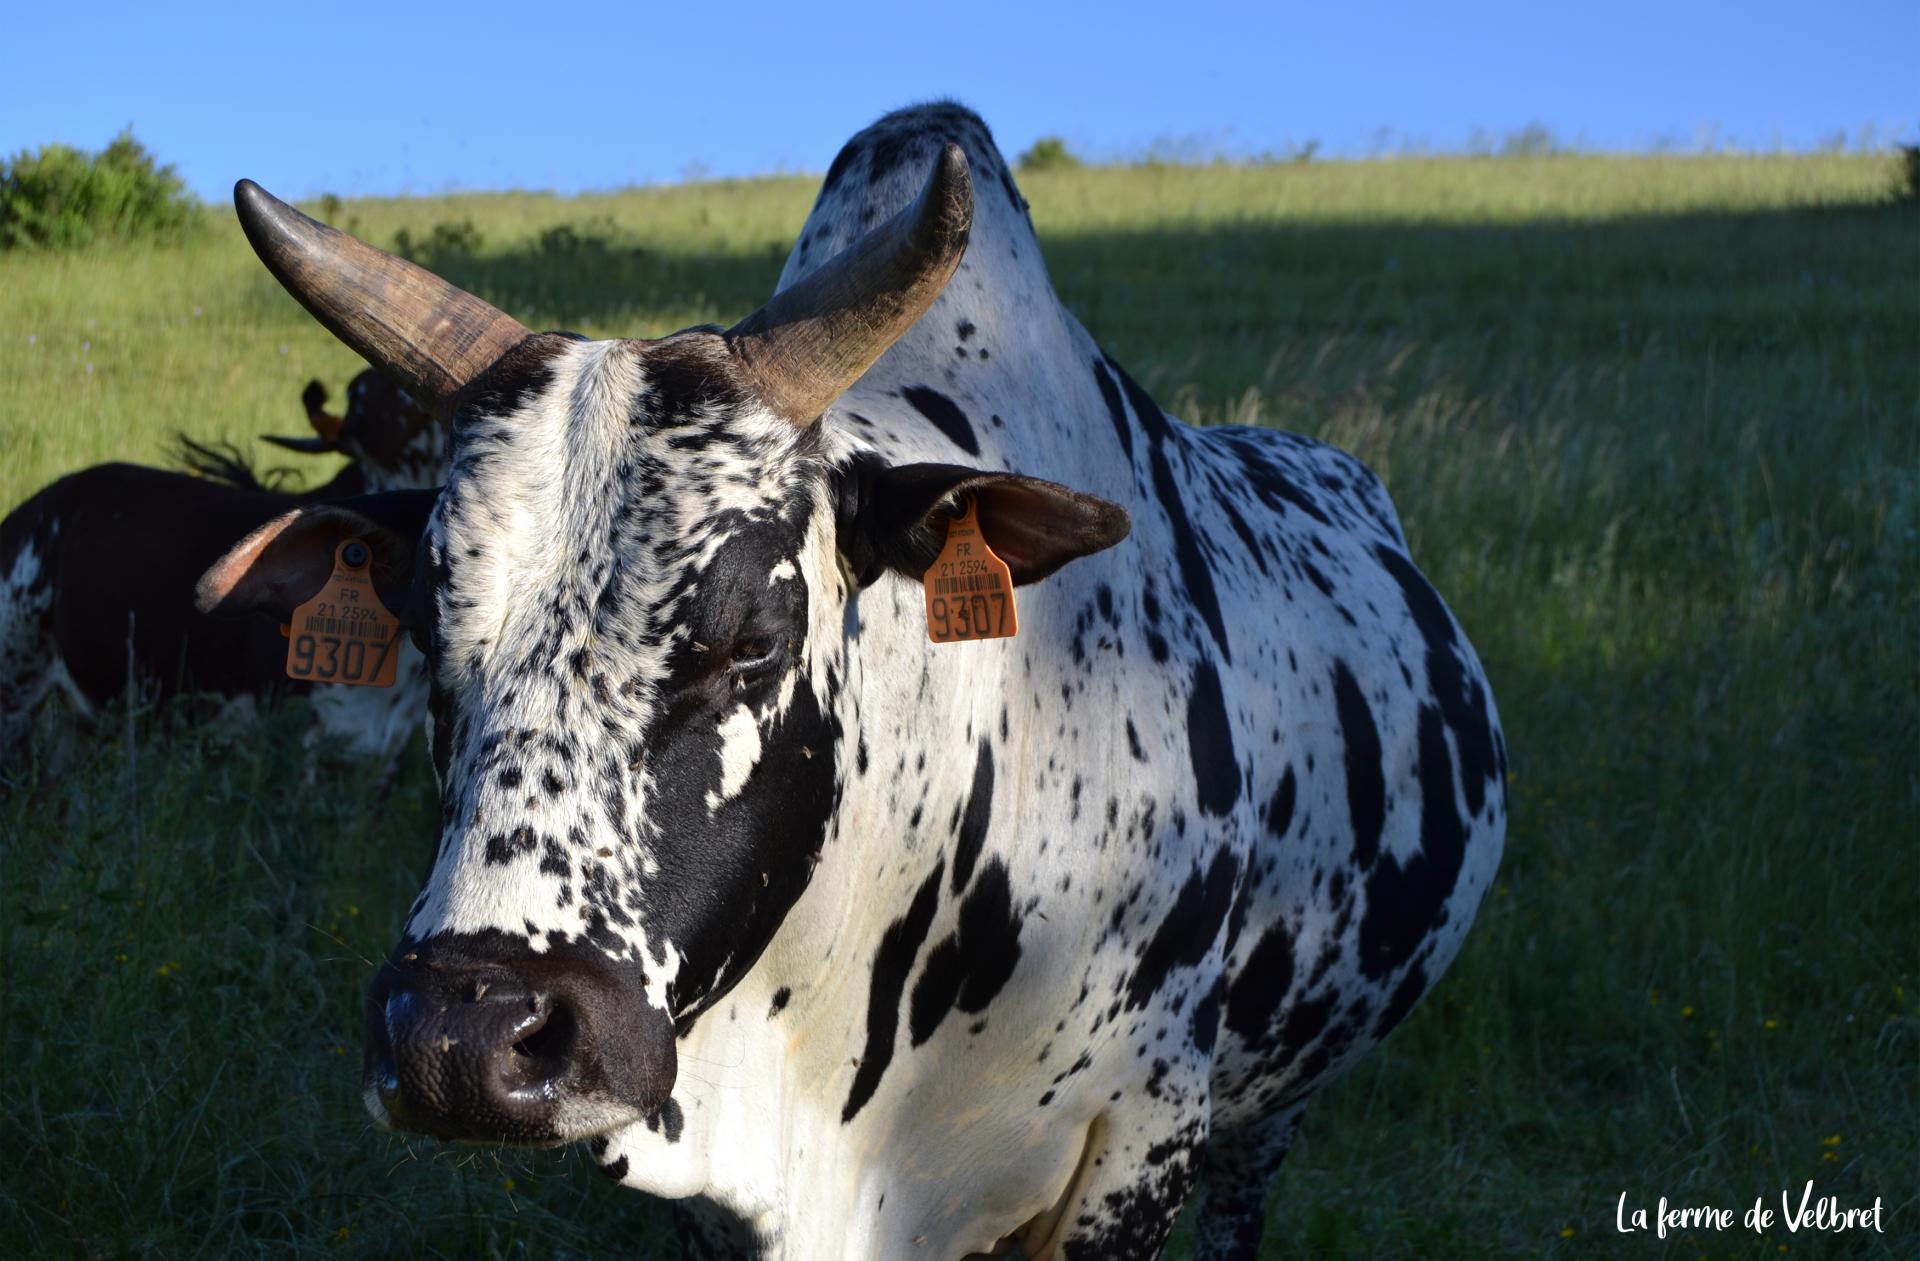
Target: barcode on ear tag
(969,589)
(344,634)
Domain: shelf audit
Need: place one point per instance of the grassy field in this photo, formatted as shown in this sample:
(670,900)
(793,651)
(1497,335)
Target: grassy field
(1654,428)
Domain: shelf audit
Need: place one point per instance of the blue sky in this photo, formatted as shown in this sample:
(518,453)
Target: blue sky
(358,98)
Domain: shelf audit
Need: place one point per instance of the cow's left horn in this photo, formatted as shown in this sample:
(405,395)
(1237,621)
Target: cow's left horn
(815,338)
(431,336)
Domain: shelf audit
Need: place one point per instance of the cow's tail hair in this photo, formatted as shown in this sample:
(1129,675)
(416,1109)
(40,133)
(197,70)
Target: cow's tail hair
(223,462)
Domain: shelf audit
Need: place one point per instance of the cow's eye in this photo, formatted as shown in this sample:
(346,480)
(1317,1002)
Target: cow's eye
(754,652)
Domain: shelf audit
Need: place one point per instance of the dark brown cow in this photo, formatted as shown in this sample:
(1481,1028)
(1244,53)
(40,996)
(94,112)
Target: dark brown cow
(97,572)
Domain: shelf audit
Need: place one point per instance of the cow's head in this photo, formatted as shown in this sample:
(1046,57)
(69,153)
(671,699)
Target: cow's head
(634,593)
(395,440)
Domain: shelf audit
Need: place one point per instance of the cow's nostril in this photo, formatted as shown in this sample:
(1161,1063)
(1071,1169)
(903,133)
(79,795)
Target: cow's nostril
(542,1054)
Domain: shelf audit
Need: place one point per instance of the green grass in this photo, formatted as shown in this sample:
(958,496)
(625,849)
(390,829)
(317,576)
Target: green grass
(1654,428)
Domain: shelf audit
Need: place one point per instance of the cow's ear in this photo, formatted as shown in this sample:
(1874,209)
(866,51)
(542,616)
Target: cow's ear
(899,513)
(283,563)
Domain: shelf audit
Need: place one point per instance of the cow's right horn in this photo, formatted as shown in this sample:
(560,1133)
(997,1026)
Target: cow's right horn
(431,336)
(816,337)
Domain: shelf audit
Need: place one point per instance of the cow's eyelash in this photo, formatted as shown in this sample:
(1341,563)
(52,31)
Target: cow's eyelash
(753,652)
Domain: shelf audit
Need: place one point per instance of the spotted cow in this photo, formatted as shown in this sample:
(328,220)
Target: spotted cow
(860,946)
(96,574)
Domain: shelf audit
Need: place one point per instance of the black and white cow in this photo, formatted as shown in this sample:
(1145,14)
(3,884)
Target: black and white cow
(871,948)
(97,569)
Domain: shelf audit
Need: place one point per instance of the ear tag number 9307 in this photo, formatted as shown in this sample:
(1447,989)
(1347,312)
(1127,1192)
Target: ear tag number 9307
(969,589)
(344,634)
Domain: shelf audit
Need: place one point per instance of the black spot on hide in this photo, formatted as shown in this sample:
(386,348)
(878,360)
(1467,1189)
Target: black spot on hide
(1188,931)
(1216,773)
(1262,985)
(945,415)
(1280,809)
(891,962)
(1115,411)
(975,819)
(1463,702)
(1366,779)
(1405,902)
(968,967)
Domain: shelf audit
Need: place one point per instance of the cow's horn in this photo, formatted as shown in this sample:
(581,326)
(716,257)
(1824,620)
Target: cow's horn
(429,335)
(815,338)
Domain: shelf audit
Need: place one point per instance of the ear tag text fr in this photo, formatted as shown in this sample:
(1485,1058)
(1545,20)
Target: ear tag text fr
(969,589)
(344,634)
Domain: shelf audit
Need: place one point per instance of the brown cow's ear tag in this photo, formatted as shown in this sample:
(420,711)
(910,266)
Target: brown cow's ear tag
(344,634)
(326,424)
(969,589)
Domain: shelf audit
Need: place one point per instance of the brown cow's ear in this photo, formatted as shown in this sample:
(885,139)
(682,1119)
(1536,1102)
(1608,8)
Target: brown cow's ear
(1033,525)
(283,563)
(314,397)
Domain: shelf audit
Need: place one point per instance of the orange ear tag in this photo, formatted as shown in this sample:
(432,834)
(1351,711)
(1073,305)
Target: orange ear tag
(326,424)
(969,589)
(344,634)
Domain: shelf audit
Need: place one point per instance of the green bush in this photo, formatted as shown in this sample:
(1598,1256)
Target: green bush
(62,197)
(1535,140)
(448,241)
(1908,188)
(1049,153)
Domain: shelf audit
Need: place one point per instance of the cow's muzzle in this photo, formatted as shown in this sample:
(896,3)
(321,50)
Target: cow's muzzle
(481,1039)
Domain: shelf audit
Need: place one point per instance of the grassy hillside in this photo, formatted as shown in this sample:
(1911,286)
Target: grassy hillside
(1654,428)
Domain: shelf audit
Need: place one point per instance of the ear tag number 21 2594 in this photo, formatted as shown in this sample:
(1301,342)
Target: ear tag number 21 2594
(344,634)
(969,589)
